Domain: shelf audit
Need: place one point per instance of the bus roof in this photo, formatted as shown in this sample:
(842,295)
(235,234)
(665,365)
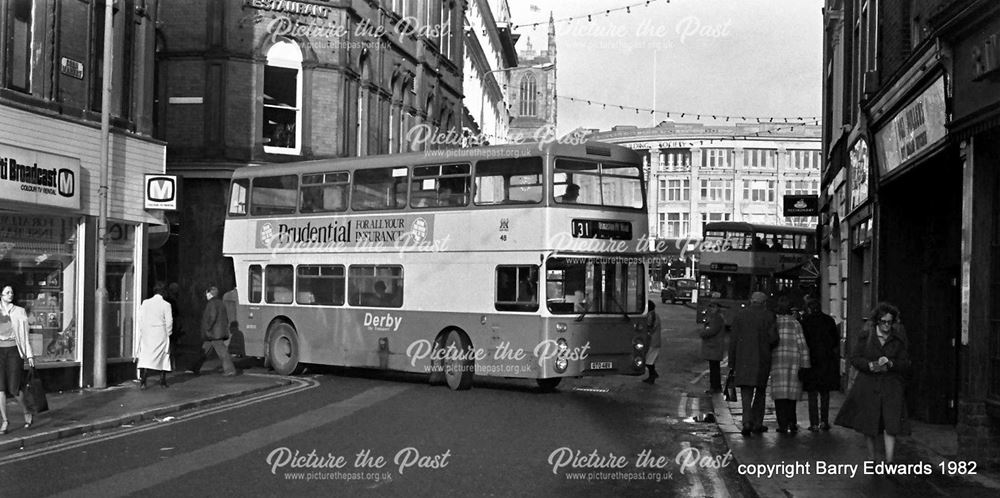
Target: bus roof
(740,226)
(593,149)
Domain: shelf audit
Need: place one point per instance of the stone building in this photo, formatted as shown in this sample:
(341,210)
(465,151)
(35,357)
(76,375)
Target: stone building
(244,82)
(532,90)
(489,56)
(910,197)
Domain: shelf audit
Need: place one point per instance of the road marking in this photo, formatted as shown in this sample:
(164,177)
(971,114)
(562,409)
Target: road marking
(136,480)
(696,488)
(130,429)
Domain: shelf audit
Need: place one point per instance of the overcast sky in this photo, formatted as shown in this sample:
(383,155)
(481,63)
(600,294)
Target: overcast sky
(737,57)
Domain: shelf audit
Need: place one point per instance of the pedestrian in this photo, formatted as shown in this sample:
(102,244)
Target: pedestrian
(653,339)
(754,336)
(215,331)
(156,322)
(875,403)
(713,345)
(14,349)
(823,375)
(789,358)
(172,296)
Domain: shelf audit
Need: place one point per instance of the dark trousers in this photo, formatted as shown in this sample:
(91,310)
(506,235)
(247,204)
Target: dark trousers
(753,406)
(819,409)
(221,351)
(714,375)
(784,410)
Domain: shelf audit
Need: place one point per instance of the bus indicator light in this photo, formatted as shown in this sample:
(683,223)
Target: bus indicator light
(561,327)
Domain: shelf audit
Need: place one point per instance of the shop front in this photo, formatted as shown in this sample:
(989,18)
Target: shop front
(48,241)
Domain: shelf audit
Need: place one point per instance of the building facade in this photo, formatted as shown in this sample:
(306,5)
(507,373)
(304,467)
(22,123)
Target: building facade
(910,196)
(532,91)
(489,54)
(243,82)
(703,173)
(51,60)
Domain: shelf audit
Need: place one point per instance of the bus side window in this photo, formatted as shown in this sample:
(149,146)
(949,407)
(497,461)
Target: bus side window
(278,281)
(238,197)
(517,288)
(256,284)
(378,286)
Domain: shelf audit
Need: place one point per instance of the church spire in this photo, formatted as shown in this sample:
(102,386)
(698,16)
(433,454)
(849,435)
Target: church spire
(552,38)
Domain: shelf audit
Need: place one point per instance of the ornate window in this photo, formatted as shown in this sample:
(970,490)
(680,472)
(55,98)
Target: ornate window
(528,95)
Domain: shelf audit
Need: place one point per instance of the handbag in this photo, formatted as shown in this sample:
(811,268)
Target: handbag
(730,391)
(34,394)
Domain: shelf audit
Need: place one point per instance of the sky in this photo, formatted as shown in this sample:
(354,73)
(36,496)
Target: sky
(722,57)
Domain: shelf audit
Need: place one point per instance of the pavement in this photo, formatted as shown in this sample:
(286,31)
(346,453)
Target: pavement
(800,465)
(83,411)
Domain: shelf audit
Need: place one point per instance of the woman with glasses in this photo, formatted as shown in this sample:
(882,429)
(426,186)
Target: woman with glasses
(875,403)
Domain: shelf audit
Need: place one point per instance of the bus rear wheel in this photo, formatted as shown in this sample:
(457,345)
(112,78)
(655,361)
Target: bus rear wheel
(458,367)
(283,349)
(548,385)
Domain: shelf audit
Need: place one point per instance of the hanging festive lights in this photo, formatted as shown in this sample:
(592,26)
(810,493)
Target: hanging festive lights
(606,12)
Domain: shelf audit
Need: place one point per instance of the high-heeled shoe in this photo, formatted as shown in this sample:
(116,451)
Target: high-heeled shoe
(28,420)
(3,427)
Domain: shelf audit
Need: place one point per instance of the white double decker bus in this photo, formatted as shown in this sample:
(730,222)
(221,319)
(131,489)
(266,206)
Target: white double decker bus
(514,261)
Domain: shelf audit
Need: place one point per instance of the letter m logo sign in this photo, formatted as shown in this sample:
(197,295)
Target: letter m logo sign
(161,192)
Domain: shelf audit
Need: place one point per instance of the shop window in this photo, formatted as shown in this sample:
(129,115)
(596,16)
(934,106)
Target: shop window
(19,22)
(38,260)
(517,288)
(378,286)
(278,284)
(120,284)
(282,96)
(320,285)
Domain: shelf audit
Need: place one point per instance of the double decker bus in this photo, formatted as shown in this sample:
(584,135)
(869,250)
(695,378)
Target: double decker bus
(738,259)
(516,261)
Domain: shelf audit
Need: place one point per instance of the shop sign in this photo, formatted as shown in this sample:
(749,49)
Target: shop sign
(24,228)
(914,129)
(801,205)
(39,178)
(859,173)
(161,192)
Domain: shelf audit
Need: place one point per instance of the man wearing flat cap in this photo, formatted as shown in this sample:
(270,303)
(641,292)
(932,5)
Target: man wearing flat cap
(754,336)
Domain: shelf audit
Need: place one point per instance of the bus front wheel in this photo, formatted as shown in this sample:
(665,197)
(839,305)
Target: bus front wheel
(458,366)
(283,349)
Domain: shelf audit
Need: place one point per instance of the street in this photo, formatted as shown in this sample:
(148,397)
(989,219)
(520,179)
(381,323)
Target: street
(359,432)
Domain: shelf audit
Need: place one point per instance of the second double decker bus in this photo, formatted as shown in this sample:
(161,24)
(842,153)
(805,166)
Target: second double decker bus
(742,258)
(513,261)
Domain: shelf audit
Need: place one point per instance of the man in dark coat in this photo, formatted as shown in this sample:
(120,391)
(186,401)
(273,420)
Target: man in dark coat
(823,339)
(754,336)
(215,331)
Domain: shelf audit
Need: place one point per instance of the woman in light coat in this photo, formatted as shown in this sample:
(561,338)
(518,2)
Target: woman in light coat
(791,355)
(155,325)
(14,349)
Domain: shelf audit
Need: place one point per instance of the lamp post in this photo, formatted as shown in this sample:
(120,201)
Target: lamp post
(100,332)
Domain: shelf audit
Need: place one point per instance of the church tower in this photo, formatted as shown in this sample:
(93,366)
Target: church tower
(532,94)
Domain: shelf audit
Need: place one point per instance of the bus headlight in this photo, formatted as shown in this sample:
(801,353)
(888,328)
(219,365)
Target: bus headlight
(637,326)
(561,364)
(562,346)
(638,362)
(638,343)
(561,327)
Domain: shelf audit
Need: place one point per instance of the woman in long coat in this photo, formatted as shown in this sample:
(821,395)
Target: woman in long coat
(713,347)
(155,325)
(823,376)
(791,355)
(875,403)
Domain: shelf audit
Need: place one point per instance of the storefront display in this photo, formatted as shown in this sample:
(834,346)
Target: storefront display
(38,259)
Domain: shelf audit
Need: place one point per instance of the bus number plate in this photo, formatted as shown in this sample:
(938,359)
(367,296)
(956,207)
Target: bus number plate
(601,365)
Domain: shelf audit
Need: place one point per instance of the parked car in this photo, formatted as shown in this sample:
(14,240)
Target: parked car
(678,289)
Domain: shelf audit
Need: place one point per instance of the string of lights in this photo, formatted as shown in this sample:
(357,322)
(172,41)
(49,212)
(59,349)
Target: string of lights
(699,115)
(590,16)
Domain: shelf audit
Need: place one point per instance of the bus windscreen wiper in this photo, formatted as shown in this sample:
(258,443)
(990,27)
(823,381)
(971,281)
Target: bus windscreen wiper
(620,307)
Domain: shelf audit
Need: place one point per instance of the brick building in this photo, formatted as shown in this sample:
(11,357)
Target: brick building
(911,196)
(51,61)
(243,82)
